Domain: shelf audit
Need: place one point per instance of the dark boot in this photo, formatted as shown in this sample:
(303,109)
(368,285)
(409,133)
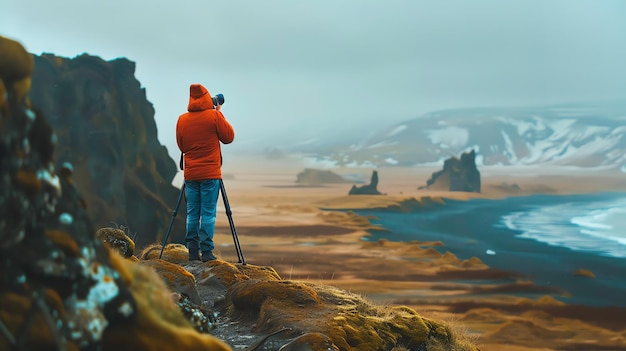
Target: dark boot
(208,256)
(194,251)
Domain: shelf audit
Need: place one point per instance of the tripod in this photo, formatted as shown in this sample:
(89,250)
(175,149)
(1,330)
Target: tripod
(229,214)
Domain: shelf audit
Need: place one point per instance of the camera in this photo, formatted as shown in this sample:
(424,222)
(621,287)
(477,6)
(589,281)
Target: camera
(218,99)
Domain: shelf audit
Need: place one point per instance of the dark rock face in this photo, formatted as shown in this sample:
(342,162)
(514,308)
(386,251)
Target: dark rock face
(369,189)
(457,175)
(106,130)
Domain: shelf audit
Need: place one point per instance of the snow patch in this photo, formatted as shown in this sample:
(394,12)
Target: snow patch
(391,161)
(524,125)
(509,151)
(451,137)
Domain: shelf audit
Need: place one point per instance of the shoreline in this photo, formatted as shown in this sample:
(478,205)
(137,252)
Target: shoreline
(574,276)
(314,234)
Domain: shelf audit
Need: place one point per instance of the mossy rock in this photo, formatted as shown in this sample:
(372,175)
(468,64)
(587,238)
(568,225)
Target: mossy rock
(177,278)
(118,240)
(175,253)
(158,323)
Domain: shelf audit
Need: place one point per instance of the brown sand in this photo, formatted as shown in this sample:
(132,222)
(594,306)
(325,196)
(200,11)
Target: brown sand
(286,226)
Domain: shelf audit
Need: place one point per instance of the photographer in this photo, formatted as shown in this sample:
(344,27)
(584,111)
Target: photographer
(198,134)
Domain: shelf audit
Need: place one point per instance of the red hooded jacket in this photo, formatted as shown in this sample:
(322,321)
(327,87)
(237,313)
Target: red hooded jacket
(198,134)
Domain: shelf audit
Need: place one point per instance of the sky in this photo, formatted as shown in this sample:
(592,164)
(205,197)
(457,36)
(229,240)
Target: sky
(294,70)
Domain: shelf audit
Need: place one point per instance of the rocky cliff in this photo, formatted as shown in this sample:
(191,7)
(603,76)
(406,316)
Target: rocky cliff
(106,130)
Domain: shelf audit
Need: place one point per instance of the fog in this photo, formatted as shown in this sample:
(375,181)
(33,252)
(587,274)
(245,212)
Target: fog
(291,70)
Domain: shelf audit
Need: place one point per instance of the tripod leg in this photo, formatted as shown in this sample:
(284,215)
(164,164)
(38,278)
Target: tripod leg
(174,212)
(233,230)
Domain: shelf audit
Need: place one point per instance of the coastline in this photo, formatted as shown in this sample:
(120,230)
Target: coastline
(476,230)
(313,234)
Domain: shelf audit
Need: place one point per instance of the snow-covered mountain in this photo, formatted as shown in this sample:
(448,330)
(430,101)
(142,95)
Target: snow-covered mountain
(581,135)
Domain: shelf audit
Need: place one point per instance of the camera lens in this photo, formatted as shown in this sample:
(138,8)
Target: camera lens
(218,99)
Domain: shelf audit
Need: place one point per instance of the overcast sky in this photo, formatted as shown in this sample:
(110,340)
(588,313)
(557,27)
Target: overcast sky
(303,68)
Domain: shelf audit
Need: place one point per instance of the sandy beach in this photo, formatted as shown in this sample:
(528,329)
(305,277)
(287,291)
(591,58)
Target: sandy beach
(294,229)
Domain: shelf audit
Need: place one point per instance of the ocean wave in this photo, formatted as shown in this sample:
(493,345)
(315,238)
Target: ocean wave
(597,226)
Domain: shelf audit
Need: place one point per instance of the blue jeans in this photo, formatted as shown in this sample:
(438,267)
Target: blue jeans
(201,208)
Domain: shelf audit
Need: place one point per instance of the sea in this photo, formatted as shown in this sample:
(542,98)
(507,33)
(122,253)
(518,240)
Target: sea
(544,238)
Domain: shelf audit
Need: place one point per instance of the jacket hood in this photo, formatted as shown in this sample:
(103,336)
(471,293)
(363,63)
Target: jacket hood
(199,98)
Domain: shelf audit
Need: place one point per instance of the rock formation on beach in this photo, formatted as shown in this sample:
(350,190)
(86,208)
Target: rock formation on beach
(318,177)
(368,189)
(457,175)
(105,128)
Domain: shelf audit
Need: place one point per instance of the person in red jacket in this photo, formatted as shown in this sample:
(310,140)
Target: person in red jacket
(198,134)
